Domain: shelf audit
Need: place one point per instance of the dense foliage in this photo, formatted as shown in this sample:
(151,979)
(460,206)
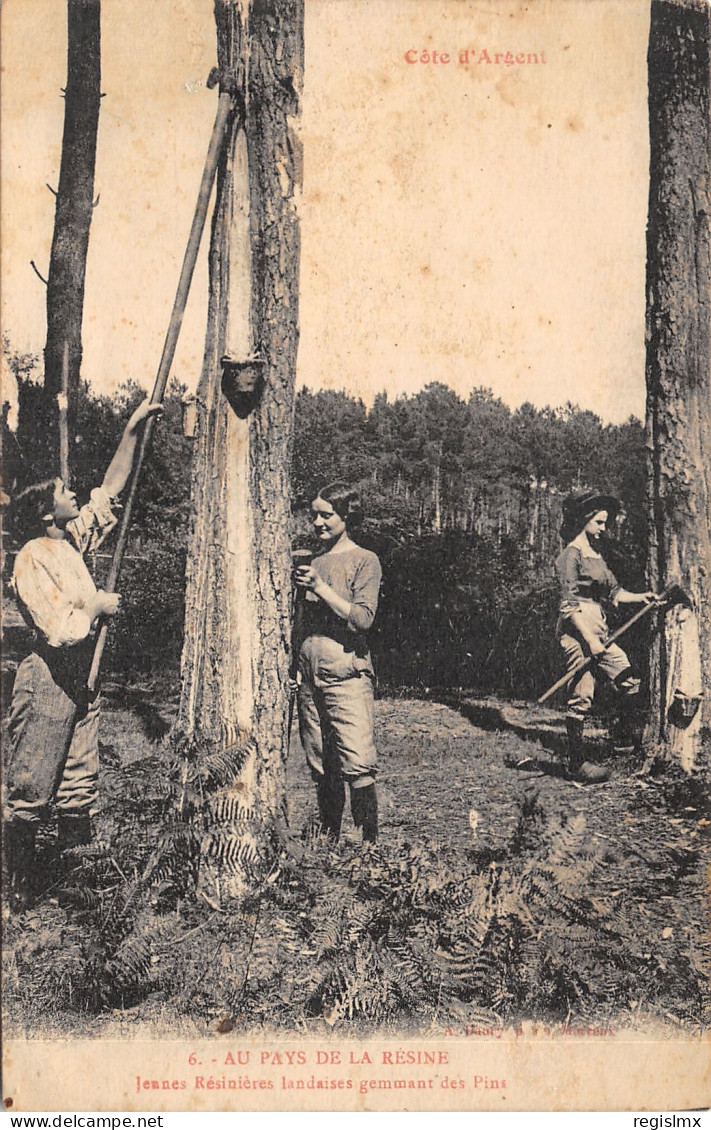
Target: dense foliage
(146,636)
(433,451)
(463,501)
(547,920)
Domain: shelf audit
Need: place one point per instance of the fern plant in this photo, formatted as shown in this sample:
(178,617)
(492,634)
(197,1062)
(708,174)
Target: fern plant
(401,937)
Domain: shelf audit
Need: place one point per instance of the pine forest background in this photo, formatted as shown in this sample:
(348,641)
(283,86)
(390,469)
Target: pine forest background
(463,501)
(496,895)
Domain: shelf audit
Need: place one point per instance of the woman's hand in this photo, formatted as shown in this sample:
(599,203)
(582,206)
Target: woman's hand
(307,578)
(119,468)
(106,603)
(626,597)
(595,647)
(145,409)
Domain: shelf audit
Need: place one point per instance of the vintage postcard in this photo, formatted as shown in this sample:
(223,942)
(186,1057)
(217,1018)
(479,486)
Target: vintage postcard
(287,826)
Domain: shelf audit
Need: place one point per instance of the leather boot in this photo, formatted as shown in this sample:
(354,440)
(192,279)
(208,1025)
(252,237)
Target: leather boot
(331,794)
(626,732)
(74,830)
(19,844)
(364,806)
(578,768)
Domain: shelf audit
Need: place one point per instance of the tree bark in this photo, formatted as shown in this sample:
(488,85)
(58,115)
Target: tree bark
(235,664)
(678,377)
(74,209)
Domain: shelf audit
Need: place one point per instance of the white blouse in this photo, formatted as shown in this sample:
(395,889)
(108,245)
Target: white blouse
(51,579)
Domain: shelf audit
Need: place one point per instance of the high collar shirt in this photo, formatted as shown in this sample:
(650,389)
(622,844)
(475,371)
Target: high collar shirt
(584,576)
(51,580)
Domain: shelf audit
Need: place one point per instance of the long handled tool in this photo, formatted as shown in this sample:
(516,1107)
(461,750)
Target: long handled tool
(300,557)
(665,600)
(224,108)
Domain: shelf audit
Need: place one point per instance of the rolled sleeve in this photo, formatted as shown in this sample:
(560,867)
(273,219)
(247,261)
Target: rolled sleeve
(95,520)
(366,591)
(568,570)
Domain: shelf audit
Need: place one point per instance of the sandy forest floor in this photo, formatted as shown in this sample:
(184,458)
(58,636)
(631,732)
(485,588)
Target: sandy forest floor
(496,894)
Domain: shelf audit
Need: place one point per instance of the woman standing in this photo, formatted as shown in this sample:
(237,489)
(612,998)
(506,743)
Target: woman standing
(587,584)
(53,727)
(335,696)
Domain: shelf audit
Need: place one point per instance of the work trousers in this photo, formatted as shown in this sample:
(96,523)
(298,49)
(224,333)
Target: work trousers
(613,662)
(336,712)
(53,739)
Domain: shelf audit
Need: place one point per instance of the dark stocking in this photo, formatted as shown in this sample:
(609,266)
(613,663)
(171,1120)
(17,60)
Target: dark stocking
(364,806)
(331,793)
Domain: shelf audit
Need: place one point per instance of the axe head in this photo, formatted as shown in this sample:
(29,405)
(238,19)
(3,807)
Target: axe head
(674,594)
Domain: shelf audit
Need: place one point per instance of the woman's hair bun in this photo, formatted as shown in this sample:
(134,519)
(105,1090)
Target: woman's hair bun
(345,500)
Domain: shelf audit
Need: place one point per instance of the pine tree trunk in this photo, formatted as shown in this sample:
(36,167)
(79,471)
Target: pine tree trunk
(73,213)
(678,384)
(235,665)
(437,492)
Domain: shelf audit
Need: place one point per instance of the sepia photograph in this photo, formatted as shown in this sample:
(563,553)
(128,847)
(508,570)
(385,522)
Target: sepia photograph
(356,537)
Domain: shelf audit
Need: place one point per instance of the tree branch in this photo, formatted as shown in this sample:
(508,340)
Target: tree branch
(36,271)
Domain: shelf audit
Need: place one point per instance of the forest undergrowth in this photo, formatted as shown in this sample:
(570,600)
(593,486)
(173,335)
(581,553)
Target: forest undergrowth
(493,897)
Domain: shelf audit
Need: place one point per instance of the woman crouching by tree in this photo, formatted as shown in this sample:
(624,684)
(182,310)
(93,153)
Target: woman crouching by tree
(336,695)
(53,723)
(587,584)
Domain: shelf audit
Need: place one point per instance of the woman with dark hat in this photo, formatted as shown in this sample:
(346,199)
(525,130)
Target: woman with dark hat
(587,584)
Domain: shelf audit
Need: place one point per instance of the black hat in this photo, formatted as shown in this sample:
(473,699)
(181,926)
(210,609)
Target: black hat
(580,506)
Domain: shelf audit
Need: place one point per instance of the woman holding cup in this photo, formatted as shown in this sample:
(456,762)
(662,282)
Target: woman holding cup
(335,671)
